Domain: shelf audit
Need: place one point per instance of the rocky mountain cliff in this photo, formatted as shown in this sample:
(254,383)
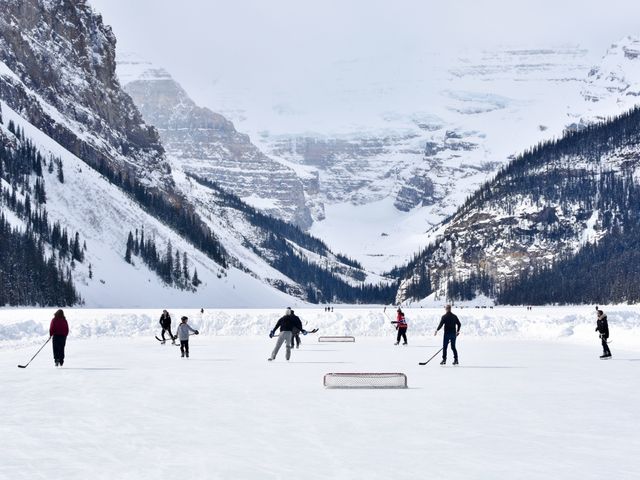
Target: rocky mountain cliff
(57,61)
(430,139)
(540,210)
(207,145)
(77,158)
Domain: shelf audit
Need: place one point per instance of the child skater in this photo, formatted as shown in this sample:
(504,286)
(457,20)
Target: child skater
(184,330)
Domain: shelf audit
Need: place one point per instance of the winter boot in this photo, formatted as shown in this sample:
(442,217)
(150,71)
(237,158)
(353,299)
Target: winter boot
(603,356)
(270,359)
(182,354)
(187,354)
(405,343)
(443,362)
(455,362)
(397,343)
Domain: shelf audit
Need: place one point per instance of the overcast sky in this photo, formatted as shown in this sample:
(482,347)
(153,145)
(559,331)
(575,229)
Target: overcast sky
(202,42)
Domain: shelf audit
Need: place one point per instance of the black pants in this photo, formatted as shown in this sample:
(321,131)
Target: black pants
(184,347)
(449,337)
(605,347)
(58,342)
(402,333)
(167,329)
(295,340)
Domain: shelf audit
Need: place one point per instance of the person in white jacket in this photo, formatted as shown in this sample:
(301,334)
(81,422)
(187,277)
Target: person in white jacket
(184,330)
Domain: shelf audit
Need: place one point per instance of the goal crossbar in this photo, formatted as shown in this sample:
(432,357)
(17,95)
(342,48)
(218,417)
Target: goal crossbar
(341,338)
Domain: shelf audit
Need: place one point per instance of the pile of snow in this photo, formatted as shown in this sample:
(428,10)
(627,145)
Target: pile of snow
(575,324)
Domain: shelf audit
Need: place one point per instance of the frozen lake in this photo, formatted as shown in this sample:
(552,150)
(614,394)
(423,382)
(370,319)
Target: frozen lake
(130,408)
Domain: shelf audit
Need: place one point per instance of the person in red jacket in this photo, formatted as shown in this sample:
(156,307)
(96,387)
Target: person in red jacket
(401,326)
(58,330)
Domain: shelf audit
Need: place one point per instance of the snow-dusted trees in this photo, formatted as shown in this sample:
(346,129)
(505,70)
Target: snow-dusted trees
(36,262)
(172,267)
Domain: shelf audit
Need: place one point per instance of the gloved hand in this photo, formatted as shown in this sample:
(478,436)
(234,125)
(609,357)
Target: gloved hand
(197,332)
(435,333)
(304,332)
(271,334)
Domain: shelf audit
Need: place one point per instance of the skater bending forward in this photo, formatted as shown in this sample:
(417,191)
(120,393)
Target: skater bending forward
(165,323)
(184,330)
(286,325)
(603,328)
(451,331)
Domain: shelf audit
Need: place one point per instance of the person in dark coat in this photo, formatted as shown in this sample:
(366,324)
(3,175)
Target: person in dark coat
(602,327)
(451,325)
(58,331)
(165,323)
(286,324)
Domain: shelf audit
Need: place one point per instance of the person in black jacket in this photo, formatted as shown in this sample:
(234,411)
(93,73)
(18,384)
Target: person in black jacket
(603,328)
(451,331)
(165,323)
(286,324)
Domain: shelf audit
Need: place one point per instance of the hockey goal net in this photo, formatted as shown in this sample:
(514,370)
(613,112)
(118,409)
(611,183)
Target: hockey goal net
(365,380)
(337,339)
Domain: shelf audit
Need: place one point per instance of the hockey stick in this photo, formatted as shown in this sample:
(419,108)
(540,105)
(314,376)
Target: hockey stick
(25,366)
(434,356)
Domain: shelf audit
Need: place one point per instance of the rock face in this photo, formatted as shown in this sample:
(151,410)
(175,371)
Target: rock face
(57,68)
(421,142)
(207,145)
(617,77)
(543,207)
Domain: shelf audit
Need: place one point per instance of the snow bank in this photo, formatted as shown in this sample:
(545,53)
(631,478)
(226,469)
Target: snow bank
(574,324)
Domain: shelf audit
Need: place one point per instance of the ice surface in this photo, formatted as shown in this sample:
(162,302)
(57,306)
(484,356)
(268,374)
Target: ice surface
(130,408)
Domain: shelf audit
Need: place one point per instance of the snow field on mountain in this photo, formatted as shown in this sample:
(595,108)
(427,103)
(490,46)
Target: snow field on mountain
(103,215)
(131,408)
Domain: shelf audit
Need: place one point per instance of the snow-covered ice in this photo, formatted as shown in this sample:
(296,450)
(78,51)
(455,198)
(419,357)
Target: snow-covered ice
(530,399)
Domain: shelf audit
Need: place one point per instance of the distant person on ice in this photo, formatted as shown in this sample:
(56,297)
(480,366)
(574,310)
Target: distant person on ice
(401,326)
(183,332)
(603,328)
(451,331)
(286,325)
(295,331)
(165,323)
(58,330)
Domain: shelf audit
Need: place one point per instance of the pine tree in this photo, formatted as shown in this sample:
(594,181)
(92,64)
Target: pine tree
(177,269)
(185,267)
(127,255)
(76,251)
(195,281)
(168,263)
(60,172)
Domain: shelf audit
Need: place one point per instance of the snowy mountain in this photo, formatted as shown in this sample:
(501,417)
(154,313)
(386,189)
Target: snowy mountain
(206,144)
(616,80)
(78,158)
(403,151)
(570,200)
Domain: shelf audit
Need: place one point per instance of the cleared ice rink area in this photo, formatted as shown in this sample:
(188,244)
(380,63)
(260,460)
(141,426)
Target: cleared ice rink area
(127,407)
